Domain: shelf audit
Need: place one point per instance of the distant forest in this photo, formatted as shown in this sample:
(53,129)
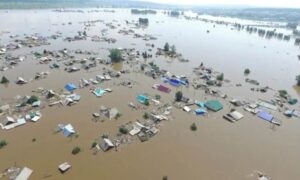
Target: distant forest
(265,14)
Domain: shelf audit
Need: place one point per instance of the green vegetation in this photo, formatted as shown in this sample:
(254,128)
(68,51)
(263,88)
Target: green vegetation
(247,71)
(123,130)
(167,47)
(3,143)
(94,144)
(220,77)
(33,140)
(298,80)
(146,115)
(157,97)
(210,82)
(118,115)
(76,135)
(32,99)
(173,49)
(144,21)
(76,150)
(283,94)
(165,178)
(4,80)
(104,136)
(140,11)
(115,55)
(175,13)
(147,103)
(193,127)
(178,96)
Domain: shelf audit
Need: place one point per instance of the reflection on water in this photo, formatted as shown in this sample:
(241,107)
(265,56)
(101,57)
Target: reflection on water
(117,66)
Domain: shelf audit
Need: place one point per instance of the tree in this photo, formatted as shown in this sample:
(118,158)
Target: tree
(123,130)
(84,33)
(247,71)
(298,80)
(173,49)
(220,77)
(166,47)
(146,115)
(4,80)
(193,127)
(76,150)
(3,143)
(32,99)
(178,96)
(115,55)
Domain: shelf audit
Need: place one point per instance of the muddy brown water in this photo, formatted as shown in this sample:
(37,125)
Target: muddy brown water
(217,150)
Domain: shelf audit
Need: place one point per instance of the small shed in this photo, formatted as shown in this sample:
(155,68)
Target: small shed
(106,144)
(68,130)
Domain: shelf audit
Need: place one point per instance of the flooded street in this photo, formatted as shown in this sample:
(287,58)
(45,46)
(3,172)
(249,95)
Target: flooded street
(217,150)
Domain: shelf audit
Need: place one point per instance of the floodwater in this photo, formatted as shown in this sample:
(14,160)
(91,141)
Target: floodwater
(217,150)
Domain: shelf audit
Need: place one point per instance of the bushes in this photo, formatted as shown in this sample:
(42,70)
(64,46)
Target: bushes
(298,80)
(115,55)
(3,143)
(247,71)
(147,102)
(76,150)
(94,144)
(220,77)
(123,130)
(32,99)
(157,97)
(283,93)
(146,115)
(4,80)
(178,96)
(193,127)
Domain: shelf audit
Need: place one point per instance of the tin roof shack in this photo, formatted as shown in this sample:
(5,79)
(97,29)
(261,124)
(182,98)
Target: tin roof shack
(64,167)
(112,113)
(24,174)
(233,116)
(106,144)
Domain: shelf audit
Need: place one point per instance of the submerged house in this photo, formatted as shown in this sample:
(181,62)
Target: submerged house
(67,130)
(111,113)
(70,87)
(142,99)
(99,92)
(163,88)
(265,116)
(233,116)
(213,105)
(174,82)
(200,111)
(106,144)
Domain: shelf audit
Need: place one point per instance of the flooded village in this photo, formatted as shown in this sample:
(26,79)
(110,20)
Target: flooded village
(98,93)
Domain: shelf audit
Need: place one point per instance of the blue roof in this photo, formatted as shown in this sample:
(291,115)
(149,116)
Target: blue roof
(174,82)
(265,116)
(70,87)
(200,111)
(142,99)
(200,104)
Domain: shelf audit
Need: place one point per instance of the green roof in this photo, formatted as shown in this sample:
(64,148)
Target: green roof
(214,105)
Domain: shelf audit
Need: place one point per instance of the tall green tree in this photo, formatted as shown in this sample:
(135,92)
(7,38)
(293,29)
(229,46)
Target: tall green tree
(115,55)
